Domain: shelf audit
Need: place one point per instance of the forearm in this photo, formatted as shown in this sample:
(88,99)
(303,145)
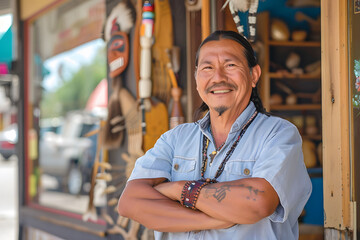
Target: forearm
(243,201)
(142,203)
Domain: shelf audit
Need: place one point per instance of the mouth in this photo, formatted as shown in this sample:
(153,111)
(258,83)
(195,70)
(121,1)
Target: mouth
(221,91)
(221,88)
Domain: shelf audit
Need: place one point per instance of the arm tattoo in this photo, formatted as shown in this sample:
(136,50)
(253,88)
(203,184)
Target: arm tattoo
(219,193)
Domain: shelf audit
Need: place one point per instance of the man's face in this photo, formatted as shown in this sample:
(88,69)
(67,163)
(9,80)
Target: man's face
(118,53)
(223,77)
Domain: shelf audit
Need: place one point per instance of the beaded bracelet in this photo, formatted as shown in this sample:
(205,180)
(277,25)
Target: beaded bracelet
(190,193)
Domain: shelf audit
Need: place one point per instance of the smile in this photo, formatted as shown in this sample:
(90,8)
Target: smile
(220,91)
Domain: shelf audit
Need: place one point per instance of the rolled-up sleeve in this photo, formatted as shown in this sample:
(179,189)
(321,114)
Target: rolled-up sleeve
(157,162)
(281,164)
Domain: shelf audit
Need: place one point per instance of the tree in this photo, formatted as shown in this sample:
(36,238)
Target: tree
(74,93)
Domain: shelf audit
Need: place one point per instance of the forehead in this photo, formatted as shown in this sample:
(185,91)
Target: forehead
(224,48)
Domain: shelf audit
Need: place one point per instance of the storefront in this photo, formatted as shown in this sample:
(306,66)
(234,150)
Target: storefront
(310,75)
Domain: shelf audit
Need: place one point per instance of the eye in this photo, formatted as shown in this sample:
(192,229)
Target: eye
(207,67)
(231,65)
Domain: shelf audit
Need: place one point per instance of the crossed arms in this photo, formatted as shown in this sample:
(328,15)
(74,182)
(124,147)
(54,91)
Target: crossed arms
(155,204)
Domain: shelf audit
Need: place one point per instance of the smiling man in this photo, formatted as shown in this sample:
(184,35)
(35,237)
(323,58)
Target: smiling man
(237,173)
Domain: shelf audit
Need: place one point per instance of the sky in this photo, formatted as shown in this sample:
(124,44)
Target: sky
(5,23)
(71,61)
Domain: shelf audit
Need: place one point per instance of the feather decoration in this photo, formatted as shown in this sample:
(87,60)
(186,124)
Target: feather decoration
(244,5)
(238,5)
(121,18)
(252,19)
(236,18)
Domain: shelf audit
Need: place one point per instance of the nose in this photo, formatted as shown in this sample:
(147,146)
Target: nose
(219,75)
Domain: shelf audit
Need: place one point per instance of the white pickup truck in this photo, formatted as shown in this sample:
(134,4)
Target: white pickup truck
(65,152)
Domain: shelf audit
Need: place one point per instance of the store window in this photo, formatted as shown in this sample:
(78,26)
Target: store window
(67,98)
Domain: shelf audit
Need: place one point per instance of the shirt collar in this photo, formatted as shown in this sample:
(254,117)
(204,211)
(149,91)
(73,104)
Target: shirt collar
(239,122)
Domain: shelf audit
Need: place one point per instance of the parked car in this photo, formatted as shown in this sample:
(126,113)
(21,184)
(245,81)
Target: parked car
(8,139)
(66,153)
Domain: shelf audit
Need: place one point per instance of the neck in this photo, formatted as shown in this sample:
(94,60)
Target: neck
(221,125)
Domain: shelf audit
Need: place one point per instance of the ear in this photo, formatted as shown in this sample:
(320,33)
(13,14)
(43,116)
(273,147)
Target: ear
(255,75)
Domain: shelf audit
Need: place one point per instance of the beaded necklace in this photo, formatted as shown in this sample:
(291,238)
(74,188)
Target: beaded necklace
(227,156)
(213,153)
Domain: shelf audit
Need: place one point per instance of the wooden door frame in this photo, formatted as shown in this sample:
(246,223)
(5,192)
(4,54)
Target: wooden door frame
(337,175)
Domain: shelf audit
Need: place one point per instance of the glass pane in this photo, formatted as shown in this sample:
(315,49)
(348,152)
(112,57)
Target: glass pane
(68,95)
(67,114)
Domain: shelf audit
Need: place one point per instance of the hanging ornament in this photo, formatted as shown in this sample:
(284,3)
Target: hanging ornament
(244,5)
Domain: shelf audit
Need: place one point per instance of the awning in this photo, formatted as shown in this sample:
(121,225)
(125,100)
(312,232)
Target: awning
(6,48)
(99,97)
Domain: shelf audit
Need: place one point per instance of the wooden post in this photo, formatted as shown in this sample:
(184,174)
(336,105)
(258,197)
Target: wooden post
(205,18)
(263,32)
(335,111)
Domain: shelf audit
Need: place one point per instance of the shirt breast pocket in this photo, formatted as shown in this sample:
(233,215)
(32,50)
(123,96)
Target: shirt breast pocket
(238,169)
(183,168)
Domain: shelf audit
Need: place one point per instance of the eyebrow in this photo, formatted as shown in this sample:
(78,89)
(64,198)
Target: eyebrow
(230,60)
(205,62)
(226,60)
(232,57)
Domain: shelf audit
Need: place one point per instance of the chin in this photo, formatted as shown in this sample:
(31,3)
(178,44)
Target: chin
(221,109)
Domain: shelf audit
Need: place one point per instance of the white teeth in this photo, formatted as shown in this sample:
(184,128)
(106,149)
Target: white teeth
(221,91)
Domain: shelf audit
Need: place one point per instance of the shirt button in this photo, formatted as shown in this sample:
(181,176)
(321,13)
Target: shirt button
(176,166)
(246,171)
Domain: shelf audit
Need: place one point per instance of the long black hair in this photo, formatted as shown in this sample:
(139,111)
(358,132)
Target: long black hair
(250,57)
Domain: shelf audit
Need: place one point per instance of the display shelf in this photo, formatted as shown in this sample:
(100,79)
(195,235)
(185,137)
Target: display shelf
(296,107)
(316,137)
(294,76)
(294,43)
(277,70)
(310,232)
(315,170)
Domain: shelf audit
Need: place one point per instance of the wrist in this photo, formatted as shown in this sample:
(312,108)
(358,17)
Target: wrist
(190,193)
(179,188)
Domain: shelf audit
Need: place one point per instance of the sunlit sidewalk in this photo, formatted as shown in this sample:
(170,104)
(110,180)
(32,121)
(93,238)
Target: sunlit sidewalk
(8,199)
(8,228)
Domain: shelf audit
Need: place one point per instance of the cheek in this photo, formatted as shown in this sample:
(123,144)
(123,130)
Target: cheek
(203,74)
(246,79)
(198,81)
(199,87)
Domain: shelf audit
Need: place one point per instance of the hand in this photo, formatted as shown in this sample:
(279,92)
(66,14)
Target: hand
(171,190)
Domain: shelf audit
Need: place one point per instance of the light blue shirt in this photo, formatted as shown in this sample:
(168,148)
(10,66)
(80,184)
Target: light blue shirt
(271,148)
